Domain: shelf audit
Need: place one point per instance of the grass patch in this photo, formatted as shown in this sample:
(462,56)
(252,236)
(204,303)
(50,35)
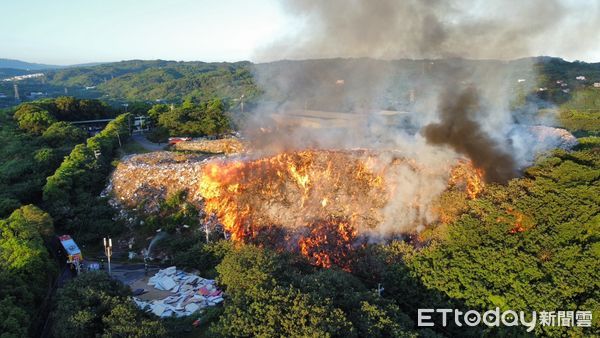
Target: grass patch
(132,147)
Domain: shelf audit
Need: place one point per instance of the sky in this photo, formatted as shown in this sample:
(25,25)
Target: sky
(79,31)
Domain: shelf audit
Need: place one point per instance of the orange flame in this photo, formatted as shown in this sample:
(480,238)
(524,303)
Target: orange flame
(329,242)
(325,196)
(469,176)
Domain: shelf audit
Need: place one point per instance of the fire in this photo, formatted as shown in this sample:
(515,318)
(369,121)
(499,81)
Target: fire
(469,176)
(518,225)
(329,242)
(322,199)
(291,190)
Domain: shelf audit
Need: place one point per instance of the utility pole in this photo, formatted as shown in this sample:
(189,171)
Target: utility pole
(108,251)
(17,96)
(379,289)
(207,232)
(242,103)
(77,266)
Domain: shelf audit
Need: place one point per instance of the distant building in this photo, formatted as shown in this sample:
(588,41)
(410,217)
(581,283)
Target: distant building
(36,95)
(580,78)
(23,77)
(596,84)
(520,80)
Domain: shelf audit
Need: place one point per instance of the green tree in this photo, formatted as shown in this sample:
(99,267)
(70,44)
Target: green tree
(25,268)
(60,133)
(158,135)
(545,264)
(248,270)
(94,304)
(282,312)
(66,106)
(12,318)
(156,111)
(36,122)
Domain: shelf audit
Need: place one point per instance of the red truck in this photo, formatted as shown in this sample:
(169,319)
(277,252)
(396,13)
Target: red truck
(175,140)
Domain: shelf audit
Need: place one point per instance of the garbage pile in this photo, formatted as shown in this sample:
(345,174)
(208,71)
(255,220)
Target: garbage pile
(190,293)
(221,146)
(555,137)
(144,180)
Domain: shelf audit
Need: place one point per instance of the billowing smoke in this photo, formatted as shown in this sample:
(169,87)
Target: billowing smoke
(392,74)
(459,129)
(430,29)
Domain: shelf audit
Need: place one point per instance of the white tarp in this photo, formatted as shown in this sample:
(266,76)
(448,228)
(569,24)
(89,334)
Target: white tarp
(190,293)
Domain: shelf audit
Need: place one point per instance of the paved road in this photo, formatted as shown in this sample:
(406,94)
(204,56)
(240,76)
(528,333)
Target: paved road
(144,142)
(129,273)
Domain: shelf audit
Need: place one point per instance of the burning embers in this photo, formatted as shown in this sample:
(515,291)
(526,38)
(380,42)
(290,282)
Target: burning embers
(316,202)
(464,174)
(328,242)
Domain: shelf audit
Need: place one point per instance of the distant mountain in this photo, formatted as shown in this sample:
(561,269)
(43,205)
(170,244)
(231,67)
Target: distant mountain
(17,64)
(22,65)
(10,72)
(173,81)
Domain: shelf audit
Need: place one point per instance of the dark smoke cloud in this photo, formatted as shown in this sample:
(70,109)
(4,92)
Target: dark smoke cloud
(392,29)
(459,129)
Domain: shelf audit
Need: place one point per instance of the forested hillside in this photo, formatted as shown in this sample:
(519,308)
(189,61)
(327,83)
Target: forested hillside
(161,80)
(36,141)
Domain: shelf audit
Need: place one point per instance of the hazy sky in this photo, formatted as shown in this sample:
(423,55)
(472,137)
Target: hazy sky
(79,31)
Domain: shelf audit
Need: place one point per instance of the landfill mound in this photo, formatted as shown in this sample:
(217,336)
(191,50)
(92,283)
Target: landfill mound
(190,293)
(557,137)
(220,146)
(143,181)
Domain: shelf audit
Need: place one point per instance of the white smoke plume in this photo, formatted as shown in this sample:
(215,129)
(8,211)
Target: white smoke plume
(409,57)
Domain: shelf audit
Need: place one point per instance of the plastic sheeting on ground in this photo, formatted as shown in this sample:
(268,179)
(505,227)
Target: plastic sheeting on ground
(190,293)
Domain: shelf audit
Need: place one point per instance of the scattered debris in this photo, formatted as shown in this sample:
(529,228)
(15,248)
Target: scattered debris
(140,182)
(221,146)
(190,293)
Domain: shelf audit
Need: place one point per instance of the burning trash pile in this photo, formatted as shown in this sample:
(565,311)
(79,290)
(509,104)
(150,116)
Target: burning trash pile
(323,203)
(309,201)
(190,293)
(320,203)
(292,189)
